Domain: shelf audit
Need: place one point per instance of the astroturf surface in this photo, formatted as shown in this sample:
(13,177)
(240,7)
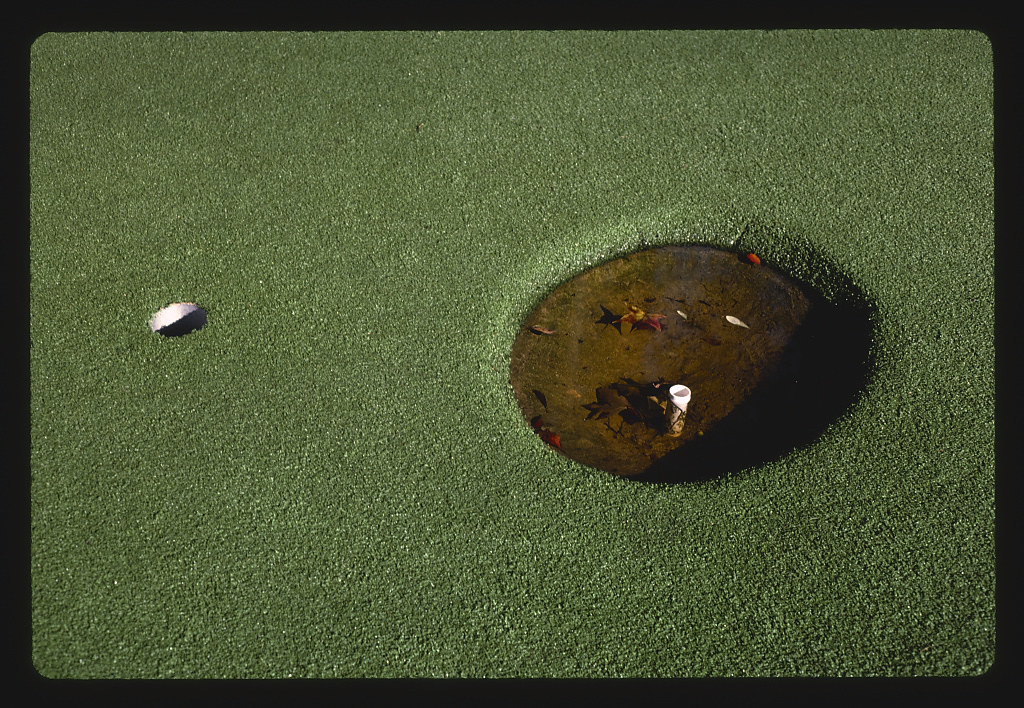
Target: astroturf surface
(332,478)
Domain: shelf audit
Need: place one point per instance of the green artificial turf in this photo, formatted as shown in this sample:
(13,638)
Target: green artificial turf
(332,479)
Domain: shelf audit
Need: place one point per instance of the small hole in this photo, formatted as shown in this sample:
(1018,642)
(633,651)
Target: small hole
(178,319)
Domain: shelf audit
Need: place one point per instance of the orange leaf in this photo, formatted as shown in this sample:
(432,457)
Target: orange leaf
(634,315)
(551,438)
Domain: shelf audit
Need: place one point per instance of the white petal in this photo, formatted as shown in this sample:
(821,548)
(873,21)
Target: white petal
(681,314)
(736,321)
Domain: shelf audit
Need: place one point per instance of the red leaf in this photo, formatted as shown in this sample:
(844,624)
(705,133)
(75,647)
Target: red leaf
(536,329)
(753,259)
(638,319)
(546,435)
(650,321)
(551,438)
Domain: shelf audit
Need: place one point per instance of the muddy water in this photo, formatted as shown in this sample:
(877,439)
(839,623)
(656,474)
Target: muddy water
(625,331)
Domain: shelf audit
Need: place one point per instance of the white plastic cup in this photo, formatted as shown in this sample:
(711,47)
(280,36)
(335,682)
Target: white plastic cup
(679,396)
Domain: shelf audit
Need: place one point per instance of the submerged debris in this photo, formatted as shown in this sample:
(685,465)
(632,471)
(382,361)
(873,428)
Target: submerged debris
(656,406)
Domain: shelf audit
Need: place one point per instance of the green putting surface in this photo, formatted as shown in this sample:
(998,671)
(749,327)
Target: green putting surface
(333,479)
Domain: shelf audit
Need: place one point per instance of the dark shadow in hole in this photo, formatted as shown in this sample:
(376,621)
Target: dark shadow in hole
(189,323)
(826,365)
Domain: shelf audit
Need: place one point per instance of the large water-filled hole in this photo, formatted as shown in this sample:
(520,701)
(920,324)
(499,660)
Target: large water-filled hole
(688,362)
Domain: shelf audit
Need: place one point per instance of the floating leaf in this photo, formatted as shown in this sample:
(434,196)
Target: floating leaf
(650,321)
(736,321)
(753,259)
(536,329)
(681,314)
(638,319)
(634,315)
